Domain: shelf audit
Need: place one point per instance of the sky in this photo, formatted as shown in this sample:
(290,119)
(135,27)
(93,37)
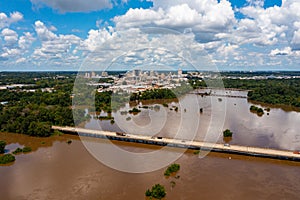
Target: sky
(71,35)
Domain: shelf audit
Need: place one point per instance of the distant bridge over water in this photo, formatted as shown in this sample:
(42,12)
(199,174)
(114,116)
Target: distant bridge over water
(226,92)
(196,145)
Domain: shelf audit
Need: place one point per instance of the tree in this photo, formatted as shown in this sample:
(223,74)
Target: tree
(172,169)
(2,146)
(227,133)
(7,158)
(158,191)
(148,193)
(40,129)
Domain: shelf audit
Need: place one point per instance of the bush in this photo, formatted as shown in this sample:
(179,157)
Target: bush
(148,193)
(27,149)
(2,146)
(24,150)
(197,152)
(227,133)
(257,110)
(40,129)
(18,150)
(134,110)
(7,158)
(172,169)
(158,191)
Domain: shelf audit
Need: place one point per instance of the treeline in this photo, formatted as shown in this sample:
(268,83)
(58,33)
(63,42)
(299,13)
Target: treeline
(153,94)
(59,97)
(32,77)
(271,91)
(33,113)
(36,120)
(162,93)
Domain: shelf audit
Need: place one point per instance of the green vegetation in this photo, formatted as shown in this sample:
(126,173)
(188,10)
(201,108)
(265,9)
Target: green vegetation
(107,101)
(57,132)
(172,169)
(162,93)
(27,149)
(257,110)
(33,112)
(196,152)
(24,150)
(134,111)
(271,91)
(108,117)
(2,146)
(227,133)
(7,158)
(18,150)
(158,192)
(153,94)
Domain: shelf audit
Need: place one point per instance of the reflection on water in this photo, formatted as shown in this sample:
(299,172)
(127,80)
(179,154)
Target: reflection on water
(63,171)
(278,129)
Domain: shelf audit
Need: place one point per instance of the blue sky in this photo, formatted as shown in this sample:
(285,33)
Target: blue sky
(70,34)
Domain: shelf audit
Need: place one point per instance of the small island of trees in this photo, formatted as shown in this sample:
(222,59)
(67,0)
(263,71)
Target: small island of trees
(172,169)
(158,192)
(2,146)
(24,150)
(227,133)
(134,111)
(257,110)
(7,158)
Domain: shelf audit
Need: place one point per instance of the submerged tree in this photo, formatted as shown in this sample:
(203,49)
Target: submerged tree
(2,146)
(227,133)
(158,191)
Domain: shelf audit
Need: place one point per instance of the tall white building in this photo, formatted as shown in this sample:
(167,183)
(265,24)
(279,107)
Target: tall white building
(179,72)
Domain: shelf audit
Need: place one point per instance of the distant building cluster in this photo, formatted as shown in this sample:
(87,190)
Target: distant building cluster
(138,80)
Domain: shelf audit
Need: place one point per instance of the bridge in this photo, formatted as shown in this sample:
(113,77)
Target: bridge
(208,92)
(196,145)
(219,95)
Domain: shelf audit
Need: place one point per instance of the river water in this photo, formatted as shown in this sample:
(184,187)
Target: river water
(277,128)
(58,170)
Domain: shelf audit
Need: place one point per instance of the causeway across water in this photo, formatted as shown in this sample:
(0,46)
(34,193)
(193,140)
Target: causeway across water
(197,145)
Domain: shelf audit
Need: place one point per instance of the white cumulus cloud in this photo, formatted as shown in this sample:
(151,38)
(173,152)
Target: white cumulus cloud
(74,5)
(5,20)
(281,52)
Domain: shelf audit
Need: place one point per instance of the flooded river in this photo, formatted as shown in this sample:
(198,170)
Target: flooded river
(57,170)
(277,128)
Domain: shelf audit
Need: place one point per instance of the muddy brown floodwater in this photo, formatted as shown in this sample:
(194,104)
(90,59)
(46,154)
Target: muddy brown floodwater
(57,170)
(277,128)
